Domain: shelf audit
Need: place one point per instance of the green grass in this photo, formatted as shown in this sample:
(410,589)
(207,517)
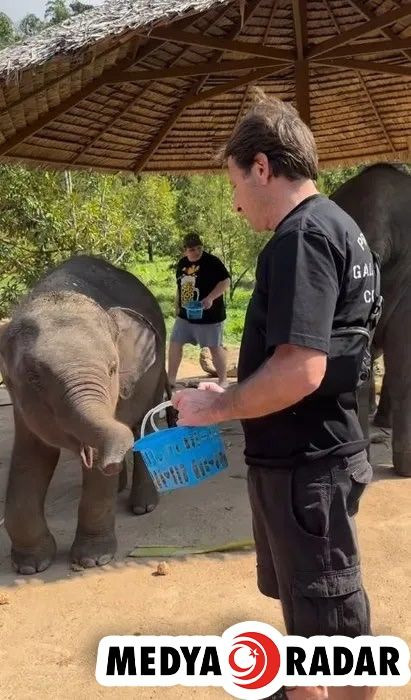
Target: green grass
(160,280)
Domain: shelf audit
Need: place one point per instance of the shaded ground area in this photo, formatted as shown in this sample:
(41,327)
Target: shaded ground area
(55,620)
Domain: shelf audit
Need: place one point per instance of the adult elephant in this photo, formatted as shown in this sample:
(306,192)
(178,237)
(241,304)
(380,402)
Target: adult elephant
(83,358)
(379,200)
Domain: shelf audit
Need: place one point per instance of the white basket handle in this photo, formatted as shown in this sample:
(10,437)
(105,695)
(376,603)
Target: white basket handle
(151,413)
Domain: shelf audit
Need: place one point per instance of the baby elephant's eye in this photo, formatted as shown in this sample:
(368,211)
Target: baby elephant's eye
(112,368)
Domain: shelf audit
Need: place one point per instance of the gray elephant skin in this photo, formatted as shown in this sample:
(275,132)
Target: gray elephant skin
(379,200)
(83,358)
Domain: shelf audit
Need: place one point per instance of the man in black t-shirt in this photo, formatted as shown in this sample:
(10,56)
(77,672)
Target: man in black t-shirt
(200,277)
(307,464)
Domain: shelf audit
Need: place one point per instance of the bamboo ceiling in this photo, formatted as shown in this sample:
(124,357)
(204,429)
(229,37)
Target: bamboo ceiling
(136,86)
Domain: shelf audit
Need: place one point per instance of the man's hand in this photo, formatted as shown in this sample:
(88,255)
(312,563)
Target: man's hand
(198,406)
(207,303)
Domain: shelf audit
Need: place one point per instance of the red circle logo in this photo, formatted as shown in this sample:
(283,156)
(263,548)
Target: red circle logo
(254,660)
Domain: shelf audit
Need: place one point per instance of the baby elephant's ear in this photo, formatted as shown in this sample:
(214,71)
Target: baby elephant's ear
(136,345)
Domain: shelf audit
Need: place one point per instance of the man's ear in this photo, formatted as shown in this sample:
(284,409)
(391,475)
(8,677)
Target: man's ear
(261,168)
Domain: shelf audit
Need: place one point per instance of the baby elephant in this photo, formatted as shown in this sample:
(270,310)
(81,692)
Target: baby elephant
(83,357)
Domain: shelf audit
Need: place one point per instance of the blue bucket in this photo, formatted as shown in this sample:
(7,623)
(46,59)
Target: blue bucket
(194,310)
(180,457)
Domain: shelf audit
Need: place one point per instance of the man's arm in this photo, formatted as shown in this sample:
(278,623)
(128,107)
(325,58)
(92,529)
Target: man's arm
(218,290)
(288,376)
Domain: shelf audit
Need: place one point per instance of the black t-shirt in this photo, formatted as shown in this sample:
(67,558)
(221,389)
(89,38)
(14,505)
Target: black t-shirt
(314,275)
(196,280)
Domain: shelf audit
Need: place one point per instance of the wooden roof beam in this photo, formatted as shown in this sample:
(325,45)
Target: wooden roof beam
(378,22)
(364,85)
(366,12)
(49,116)
(206,68)
(270,19)
(367,66)
(376,112)
(251,8)
(302,68)
(195,97)
(371,47)
(223,44)
(140,53)
(300,27)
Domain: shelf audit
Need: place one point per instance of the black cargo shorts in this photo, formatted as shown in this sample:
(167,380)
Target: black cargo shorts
(306,543)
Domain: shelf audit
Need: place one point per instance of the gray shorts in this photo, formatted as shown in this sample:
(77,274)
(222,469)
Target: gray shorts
(206,335)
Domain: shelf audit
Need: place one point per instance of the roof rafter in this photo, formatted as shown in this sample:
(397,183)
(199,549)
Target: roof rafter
(302,68)
(206,68)
(366,12)
(376,112)
(81,94)
(368,66)
(378,22)
(362,82)
(383,46)
(223,44)
(146,50)
(140,53)
(218,55)
(195,97)
(232,34)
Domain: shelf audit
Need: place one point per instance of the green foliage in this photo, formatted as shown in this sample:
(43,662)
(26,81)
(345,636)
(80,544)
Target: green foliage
(7,31)
(30,25)
(78,8)
(330,180)
(152,205)
(56,11)
(46,217)
(205,207)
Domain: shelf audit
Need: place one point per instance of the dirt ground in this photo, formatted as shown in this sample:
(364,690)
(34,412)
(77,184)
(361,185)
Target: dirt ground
(50,624)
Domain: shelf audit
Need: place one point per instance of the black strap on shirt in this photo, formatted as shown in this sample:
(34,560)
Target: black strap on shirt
(349,363)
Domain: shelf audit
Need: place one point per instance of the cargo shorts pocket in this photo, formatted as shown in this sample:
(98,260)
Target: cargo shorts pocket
(330,603)
(310,501)
(360,477)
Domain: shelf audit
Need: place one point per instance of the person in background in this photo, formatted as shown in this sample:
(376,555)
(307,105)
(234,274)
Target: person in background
(201,276)
(304,447)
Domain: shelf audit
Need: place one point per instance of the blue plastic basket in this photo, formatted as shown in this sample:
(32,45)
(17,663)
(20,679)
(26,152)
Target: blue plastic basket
(180,457)
(194,310)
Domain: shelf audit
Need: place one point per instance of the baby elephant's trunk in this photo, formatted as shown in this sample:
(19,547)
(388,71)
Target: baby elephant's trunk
(103,439)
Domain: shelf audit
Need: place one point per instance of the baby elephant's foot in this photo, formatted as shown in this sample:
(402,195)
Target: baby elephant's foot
(34,558)
(143,501)
(93,550)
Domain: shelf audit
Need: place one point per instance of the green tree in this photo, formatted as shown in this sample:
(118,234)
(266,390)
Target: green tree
(31,25)
(7,31)
(152,209)
(56,11)
(205,206)
(78,7)
(46,216)
(329,180)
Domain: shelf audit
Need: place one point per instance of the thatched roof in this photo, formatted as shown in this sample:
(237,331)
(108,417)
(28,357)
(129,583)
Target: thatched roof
(153,85)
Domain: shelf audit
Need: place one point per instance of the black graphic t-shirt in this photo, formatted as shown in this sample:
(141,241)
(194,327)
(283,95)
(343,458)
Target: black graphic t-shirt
(196,280)
(315,274)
